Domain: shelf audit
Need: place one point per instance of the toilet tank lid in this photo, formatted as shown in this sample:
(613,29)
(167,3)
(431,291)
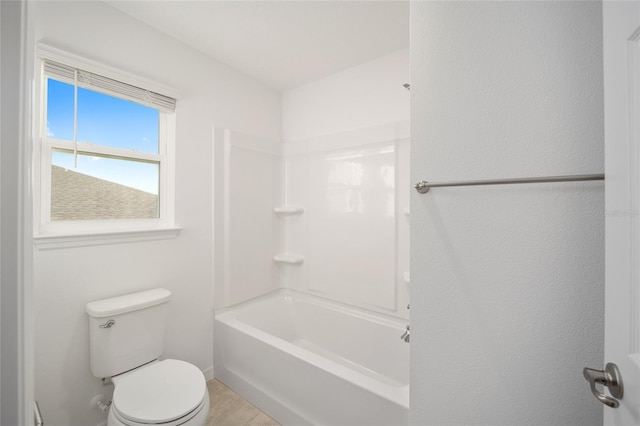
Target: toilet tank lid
(127,303)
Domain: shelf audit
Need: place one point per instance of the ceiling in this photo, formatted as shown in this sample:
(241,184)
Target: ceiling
(282,43)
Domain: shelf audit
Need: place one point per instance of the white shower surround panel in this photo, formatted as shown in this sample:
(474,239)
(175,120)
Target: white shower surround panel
(308,360)
(352,224)
(353,233)
(249,174)
(256,175)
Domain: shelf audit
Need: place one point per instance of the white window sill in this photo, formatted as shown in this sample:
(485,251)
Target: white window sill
(52,242)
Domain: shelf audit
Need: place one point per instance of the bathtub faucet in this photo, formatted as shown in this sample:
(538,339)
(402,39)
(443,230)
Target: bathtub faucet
(405,336)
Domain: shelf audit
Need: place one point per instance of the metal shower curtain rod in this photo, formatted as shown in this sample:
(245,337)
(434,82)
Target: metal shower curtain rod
(423,186)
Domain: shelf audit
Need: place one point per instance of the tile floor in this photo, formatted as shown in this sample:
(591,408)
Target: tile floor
(230,409)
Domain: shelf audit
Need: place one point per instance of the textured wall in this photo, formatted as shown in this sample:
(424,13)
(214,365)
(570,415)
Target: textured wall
(507,282)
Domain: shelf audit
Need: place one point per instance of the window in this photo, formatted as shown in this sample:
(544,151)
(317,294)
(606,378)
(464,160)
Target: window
(105,153)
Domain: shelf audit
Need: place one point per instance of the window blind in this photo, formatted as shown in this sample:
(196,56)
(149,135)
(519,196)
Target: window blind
(107,85)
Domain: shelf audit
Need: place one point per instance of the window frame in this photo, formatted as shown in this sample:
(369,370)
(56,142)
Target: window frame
(53,234)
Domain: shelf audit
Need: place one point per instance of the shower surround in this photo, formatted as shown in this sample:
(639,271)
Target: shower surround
(328,276)
(327,216)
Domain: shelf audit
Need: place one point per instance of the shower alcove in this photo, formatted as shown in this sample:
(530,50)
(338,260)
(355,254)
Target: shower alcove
(317,219)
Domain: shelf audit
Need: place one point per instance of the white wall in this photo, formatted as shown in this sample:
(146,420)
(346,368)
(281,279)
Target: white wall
(363,96)
(211,94)
(507,300)
(345,160)
(9,222)
(15,333)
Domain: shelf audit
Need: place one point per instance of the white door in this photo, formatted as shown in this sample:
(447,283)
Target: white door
(622,192)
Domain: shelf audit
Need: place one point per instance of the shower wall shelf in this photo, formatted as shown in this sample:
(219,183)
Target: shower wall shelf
(291,259)
(284,211)
(406,277)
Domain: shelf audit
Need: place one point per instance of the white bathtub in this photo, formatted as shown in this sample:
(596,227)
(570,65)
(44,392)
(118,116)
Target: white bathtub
(307,360)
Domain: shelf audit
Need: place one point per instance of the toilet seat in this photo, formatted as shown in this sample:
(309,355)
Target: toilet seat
(196,417)
(167,392)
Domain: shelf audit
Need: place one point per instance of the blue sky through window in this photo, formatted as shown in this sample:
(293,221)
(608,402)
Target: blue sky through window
(107,121)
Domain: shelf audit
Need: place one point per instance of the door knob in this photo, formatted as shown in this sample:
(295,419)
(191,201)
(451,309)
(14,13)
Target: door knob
(609,377)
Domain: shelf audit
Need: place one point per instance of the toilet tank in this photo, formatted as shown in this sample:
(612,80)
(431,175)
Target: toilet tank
(126,332)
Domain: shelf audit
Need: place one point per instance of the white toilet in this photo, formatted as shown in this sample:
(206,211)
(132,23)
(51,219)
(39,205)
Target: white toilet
(126,338)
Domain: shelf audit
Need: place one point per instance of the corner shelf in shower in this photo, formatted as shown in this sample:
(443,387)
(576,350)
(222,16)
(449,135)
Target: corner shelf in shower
(406,277)
(287,211)
(291,259)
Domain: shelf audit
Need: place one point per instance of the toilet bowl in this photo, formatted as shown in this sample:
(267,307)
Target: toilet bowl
(126,336)
(169,392)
